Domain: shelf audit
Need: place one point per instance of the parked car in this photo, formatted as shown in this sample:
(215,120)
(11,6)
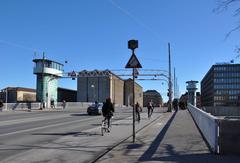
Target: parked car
(95,109)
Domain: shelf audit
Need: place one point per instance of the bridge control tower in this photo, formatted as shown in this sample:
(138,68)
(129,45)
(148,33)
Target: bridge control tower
(192,87)
(48,72)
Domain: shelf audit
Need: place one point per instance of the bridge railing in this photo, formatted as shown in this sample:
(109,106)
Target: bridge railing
(20,106)
(208,126)
(79,106)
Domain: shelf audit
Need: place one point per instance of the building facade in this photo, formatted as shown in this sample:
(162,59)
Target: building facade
(221,86)
(68,95)
(184,99)
(128,95)
(154,96)
(99,85)
(18,94)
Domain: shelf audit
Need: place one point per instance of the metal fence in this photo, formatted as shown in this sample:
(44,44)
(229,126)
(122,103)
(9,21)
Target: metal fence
(208,125)
(20,106)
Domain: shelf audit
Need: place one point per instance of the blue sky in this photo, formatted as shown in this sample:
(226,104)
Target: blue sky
(93,34)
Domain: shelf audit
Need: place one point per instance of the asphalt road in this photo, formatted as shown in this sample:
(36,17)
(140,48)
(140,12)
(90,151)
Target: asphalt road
(23,131)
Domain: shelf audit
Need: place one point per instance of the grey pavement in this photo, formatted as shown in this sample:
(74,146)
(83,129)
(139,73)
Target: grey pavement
(82,145)
(174,138)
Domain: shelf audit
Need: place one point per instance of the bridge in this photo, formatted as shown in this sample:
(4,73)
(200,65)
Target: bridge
(72,136)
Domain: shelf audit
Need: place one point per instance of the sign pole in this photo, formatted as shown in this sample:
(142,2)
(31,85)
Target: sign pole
(133,63)
(133,85)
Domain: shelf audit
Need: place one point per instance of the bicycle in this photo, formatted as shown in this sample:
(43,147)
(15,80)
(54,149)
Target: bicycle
(105,127)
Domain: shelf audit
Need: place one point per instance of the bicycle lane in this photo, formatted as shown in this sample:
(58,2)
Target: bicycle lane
(84,146)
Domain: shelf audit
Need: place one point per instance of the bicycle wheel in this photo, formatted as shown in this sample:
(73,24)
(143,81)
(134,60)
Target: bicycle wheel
(103,128)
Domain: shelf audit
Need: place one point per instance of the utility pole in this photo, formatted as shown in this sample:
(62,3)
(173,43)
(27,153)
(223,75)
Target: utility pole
(134,110)
(169,80)
(42,98)
(174,85)
(6,93)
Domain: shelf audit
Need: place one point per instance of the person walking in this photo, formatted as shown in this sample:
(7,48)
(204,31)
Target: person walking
(107,111)
(52,103)
(138,109)
(1,105)
(64,104)
(150,108)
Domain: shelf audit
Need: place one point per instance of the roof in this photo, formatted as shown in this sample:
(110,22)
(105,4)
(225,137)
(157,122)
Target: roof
(151,92)
(130,80)
(96,73)
(21,89)
(66,89)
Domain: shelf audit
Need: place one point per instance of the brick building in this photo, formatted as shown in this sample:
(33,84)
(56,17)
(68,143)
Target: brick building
(154,96)
(128,95)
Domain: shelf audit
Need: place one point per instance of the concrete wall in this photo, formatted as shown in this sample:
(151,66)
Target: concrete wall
(222,111)
(207,124)
(117,90)
(26,96)
(219,133)
(92,89)
(229,136)
(128,93)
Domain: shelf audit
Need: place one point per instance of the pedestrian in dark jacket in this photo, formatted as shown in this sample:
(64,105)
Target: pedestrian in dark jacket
(108,110)
(1,105)
(138,109)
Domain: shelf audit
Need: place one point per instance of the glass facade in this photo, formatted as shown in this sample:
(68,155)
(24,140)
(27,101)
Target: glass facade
(221,86)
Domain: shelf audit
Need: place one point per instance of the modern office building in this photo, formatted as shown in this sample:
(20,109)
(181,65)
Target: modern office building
(47,72)
(221,86)
(154,96)
(99,85)
(128,95)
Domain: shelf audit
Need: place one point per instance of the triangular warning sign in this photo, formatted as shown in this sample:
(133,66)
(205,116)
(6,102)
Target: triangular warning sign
(133,62)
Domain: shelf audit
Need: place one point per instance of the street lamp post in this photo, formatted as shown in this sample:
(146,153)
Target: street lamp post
(93,87)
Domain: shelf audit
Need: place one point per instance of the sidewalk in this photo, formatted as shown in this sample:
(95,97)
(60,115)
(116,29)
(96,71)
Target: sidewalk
(177,140)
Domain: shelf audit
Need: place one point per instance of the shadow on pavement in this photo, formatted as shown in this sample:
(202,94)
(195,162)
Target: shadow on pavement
(148,154)
(171,155)
(68,133)
(80,114)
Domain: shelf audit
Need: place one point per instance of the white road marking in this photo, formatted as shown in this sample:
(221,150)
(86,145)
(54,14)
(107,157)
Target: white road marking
(53,125)
(17,121)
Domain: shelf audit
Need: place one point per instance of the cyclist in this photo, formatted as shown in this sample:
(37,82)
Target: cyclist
(107,111)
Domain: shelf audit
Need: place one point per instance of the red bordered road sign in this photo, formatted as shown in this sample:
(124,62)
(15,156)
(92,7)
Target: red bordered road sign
(133,62)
